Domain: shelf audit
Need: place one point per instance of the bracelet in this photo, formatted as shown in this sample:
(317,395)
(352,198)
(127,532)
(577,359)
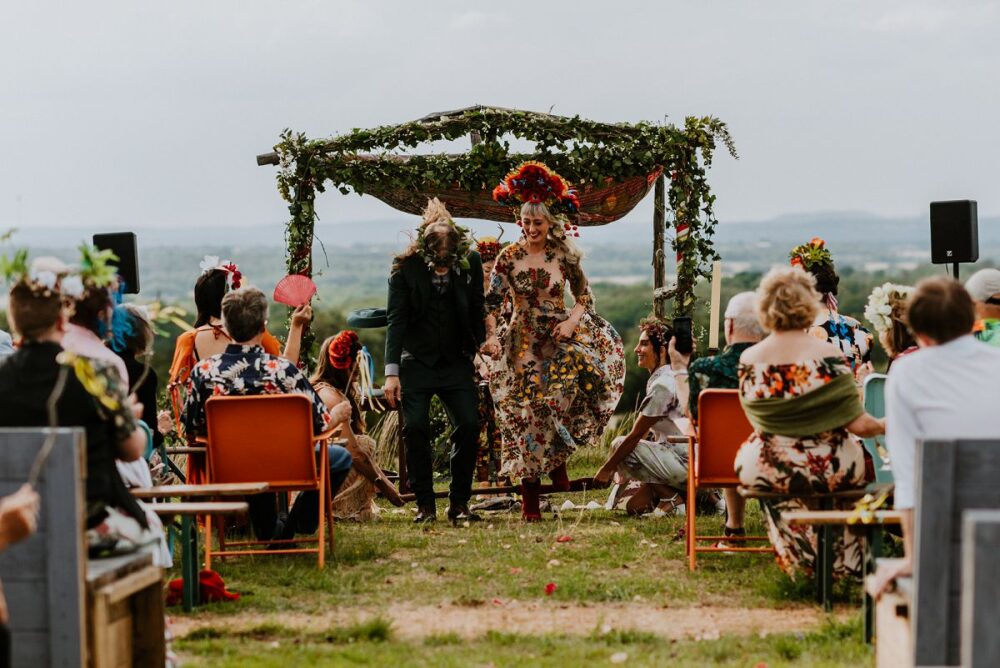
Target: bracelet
(681,373)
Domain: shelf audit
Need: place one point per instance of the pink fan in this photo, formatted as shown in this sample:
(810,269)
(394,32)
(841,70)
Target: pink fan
(294,290)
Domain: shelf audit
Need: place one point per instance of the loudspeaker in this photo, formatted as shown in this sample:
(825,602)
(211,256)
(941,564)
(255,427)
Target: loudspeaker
(954,232)
(124,246)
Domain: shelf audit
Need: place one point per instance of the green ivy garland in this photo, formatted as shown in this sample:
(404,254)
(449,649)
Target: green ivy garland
(581,151)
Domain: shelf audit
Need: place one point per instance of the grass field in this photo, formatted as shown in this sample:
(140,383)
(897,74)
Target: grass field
(397,594)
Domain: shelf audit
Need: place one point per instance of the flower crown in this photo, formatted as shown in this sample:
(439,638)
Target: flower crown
(887,303)
(45,276)
(655,327)
(233,276)
(812,254)
(339,353)
(489,248)
(534,183)
(459,256)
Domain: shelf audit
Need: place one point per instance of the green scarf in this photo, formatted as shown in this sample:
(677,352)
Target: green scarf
(827,407)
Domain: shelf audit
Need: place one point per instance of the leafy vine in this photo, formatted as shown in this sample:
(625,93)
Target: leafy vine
(582,151)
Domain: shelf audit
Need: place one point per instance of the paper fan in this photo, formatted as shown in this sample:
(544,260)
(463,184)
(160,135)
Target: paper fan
(294,290)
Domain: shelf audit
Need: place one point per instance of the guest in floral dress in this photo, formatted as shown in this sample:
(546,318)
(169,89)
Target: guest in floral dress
(799,395)
(854,341)
(558,372)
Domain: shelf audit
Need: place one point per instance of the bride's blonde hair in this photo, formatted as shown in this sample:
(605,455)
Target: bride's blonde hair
(557,236)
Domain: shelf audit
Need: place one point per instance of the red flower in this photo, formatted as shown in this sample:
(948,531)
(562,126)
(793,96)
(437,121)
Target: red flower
(550,588)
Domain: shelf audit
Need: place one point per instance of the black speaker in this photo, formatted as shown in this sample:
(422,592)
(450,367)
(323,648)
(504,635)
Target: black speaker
(954,232)
(124,246)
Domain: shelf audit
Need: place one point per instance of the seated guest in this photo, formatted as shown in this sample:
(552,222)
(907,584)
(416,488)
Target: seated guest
(742,329)
(854,341)
(209,336)
(984,288)
(93,397)
(6,344)
(947,391)
(799,395)
(886,311)
(245,369)
(644,454)
(336,373)
(90,322)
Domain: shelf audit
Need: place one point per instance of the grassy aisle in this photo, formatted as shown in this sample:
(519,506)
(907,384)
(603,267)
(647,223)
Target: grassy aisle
(394,593)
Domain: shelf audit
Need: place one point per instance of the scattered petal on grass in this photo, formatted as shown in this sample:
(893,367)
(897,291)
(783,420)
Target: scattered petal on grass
(550,588)
(497,601)
(654,544)
(466,524)
(413,564)
(515,570)
(614,524)
(567,505)
(762,664)
(553,563)
(275,644)
(619,657)
(564,539)
(506,546)
(605,629)
(462,541)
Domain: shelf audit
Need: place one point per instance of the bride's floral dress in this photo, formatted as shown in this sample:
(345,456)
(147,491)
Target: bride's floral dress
(550,396)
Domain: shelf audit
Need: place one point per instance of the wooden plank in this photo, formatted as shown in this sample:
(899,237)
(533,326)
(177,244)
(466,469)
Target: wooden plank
(202,508)
(46,613)
(894,645)
(980,642)
(935,495)
(194,491)
(65,511)
(101,572)
(808,517)
(149,645)
(132,583)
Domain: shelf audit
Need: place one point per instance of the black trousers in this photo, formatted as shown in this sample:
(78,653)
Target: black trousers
(453,381)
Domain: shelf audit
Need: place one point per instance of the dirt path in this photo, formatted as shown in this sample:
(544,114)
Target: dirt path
(535,618)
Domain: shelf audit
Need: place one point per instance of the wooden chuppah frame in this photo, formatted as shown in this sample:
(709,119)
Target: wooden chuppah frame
(613,166)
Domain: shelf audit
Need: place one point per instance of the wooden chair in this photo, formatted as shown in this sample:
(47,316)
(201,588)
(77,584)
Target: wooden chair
(268,438)
(722,429)
(980,588)
(874,393)
(952,477)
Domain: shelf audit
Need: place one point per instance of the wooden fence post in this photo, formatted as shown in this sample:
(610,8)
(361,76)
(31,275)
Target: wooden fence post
(659,269)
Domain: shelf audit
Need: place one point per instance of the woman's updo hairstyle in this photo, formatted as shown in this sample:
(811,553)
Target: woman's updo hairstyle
(32,314)
(787,299)
(209,290)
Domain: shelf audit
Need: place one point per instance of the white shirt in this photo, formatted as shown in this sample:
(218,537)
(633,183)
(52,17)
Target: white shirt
(661,402)
(946,392)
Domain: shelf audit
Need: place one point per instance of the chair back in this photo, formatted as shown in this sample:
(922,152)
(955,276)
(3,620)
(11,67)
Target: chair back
(874,391)
(722,429)
(265,438)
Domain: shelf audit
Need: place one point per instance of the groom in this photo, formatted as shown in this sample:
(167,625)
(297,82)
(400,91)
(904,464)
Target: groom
(436,325)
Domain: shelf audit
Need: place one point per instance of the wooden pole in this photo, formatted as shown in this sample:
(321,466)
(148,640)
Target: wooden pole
(716,305)
(659,269)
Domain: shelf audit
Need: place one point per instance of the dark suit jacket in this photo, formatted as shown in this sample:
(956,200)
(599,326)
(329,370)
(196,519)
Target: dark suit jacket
(410,290)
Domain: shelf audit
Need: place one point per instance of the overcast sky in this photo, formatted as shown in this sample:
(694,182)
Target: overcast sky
(118,115)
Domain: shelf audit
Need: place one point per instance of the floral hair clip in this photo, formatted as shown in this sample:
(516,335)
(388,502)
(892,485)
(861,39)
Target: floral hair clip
(339,353)
(886,303)
(811,254)
(233,276)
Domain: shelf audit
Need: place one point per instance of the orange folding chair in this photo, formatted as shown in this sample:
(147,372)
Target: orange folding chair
(268,438)
(722,429)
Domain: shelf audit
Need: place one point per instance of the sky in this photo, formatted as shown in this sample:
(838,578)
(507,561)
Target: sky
(139,115)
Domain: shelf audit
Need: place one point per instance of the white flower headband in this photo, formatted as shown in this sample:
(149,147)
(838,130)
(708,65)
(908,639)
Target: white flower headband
(233,276)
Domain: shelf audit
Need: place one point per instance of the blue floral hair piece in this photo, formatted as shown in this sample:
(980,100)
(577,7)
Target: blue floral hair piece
(122,328)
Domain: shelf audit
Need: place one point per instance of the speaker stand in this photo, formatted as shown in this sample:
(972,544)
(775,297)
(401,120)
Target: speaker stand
(954,270)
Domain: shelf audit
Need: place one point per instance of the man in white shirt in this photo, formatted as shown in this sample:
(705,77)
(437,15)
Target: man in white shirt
(947,390)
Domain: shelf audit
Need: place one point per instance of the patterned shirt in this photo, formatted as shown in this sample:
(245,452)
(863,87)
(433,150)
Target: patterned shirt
(246,370)
(847,334)
(661,403)
(988,331)
(718,372)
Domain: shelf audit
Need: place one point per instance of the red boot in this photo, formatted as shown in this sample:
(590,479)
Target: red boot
(559,478)
(530,510)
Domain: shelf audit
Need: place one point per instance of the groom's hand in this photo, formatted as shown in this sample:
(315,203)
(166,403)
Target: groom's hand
(392,390)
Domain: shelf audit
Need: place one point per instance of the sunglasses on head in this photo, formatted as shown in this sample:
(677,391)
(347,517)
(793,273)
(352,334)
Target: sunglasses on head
(993,301)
